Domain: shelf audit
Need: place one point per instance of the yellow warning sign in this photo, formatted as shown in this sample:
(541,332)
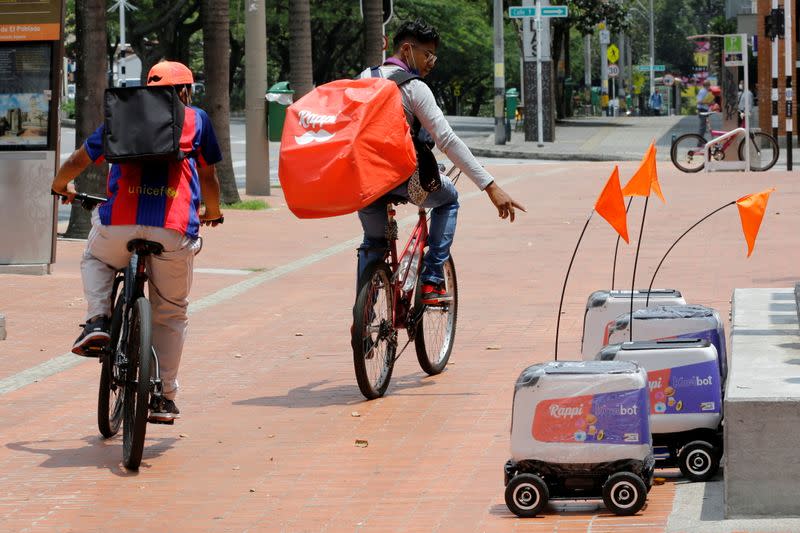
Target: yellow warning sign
(612,53)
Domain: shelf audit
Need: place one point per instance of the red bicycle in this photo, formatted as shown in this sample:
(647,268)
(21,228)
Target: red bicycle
(389,300)
(687,150)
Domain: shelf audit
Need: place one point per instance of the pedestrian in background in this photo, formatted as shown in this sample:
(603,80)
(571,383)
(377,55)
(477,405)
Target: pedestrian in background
(655,103)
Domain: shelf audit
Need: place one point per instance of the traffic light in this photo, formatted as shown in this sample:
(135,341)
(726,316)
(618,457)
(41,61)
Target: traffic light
(774,24)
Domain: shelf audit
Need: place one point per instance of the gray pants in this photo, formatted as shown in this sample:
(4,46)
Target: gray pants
(170,280)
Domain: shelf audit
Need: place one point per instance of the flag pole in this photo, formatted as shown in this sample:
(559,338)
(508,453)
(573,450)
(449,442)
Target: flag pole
(616,248)
(653,279)
(564,287)
(636,260)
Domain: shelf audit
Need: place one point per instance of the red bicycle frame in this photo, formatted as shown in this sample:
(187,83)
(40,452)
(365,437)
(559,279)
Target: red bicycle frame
(415,245)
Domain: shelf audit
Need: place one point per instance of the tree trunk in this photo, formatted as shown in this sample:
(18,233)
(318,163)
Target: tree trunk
(300,67)
(90,82)
(216,53)
(373,32)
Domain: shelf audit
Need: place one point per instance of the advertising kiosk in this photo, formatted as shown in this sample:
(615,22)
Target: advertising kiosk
(31,52)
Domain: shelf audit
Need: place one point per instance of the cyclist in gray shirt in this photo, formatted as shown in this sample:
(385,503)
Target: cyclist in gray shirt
(415,46)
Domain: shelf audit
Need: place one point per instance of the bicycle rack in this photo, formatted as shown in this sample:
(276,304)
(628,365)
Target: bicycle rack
(712,164)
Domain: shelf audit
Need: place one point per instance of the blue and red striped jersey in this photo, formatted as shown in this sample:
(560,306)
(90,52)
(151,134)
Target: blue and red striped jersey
(160,193)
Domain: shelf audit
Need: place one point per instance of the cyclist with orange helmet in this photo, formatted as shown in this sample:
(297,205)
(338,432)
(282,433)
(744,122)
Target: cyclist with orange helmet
(158,201)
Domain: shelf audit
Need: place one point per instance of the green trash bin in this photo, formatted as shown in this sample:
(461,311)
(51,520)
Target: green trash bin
(279,97)
(512,100)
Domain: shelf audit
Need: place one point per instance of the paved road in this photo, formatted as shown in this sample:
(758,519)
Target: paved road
(271,411)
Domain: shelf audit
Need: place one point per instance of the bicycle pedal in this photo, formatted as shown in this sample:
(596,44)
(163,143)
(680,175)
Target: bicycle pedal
(159,421)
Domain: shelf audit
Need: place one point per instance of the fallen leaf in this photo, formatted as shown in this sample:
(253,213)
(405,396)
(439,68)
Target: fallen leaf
(236,467)
(493,347)
(252,490)
(270,435)
(355,414)
(298,334)
(659,480)
(237,356)
(183,436)
(362,443)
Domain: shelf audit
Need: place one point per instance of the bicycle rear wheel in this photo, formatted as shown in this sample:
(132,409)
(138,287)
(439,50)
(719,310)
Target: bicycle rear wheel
(687,152)
(139,352)
(436,329)
(373,337)
(764,153)
(111,393)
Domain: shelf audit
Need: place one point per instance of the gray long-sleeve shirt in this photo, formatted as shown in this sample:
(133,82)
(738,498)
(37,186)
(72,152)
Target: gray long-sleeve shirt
(418,101)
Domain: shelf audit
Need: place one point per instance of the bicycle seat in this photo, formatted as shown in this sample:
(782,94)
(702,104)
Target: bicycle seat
(145,247)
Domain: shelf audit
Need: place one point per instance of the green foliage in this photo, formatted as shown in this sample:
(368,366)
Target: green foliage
(68,107)
(247,205)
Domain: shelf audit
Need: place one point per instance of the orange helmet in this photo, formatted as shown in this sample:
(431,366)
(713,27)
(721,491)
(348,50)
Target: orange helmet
(170,73)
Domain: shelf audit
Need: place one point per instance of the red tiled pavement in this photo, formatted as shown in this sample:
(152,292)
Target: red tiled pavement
(266,442)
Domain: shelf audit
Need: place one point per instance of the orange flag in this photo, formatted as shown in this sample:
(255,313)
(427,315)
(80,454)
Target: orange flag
(611,205)
(751,211)
(646,177)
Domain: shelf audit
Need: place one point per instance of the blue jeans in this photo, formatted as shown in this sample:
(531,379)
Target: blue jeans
(444,204)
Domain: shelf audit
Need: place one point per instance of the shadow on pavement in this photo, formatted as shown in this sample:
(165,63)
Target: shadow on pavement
(313,395)
(96,452)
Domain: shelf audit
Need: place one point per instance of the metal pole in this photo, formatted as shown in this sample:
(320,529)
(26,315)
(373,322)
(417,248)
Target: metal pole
(774,92)
(747,109)
(587,61)
(789,44)
(257,146)
(604,70)
(653,51)
(499,75)
(539,105)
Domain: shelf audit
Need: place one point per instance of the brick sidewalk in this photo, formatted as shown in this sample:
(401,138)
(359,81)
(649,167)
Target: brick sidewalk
(270,406)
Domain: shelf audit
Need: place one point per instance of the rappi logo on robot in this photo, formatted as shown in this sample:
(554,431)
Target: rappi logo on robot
(685,389)
(607,418)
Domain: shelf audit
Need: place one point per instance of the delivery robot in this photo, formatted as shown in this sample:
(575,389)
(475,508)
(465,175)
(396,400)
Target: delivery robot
(685,392)
(580,430)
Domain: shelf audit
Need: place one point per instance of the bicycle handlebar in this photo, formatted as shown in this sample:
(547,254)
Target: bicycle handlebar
(87,201)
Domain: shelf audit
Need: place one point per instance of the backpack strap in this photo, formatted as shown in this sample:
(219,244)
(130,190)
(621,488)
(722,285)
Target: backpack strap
(401,77)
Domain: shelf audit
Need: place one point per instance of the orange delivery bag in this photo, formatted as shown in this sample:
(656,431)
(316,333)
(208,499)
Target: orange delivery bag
(344,145)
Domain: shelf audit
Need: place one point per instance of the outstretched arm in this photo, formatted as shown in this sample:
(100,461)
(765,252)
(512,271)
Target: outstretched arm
(72,167)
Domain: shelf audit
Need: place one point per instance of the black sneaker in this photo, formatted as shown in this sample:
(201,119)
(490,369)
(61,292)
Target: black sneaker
(163,411)
(434,294)
(94,338)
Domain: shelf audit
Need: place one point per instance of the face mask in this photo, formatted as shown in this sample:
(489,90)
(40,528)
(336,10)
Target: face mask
(413,64)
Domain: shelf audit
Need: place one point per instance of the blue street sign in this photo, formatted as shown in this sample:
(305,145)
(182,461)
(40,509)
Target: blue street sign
(547,12)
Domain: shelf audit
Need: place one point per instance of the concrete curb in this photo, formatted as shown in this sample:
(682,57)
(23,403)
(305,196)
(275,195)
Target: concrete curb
(2,328)
(553,156)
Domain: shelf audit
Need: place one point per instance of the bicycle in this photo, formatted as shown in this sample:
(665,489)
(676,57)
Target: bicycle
(130,379)
(389,300)
(687,150)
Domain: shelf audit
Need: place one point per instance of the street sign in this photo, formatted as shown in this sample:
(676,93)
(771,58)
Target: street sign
(669,80)
(612,53)
(646,68)
(613,70)
(605,37)
(547,12)
(733,51)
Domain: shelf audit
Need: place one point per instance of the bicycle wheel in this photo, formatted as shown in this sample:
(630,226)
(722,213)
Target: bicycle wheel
(109,398)
(374,339)
(687,152)
(764,153)
(436,329)
(139,352)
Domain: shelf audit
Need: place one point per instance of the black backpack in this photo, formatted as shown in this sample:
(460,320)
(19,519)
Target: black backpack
(142,124)
(429,178)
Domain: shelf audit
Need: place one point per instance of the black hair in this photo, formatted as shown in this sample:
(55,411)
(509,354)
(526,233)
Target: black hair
(419,30)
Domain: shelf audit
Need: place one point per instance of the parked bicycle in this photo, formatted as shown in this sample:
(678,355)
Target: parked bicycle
(389,300)
(130,378)
(687,150)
